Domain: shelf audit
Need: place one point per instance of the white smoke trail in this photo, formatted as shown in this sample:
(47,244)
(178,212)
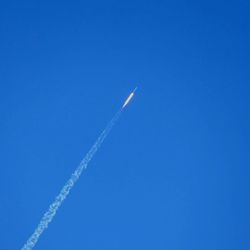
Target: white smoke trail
(51,212)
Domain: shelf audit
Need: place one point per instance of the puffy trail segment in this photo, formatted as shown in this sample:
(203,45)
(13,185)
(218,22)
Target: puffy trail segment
(51,212)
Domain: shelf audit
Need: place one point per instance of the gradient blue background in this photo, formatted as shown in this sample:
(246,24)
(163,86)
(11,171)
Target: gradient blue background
(174,172)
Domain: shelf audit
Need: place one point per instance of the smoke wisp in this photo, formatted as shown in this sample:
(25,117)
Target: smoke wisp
(51,212)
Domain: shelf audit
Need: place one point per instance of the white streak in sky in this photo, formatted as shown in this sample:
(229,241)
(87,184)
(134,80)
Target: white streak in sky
(51,212)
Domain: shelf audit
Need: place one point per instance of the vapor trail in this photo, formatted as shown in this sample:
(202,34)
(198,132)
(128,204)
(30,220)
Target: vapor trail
(51,212)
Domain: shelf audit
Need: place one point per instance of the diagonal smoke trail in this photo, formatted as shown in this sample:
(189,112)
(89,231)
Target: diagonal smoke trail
(51,212)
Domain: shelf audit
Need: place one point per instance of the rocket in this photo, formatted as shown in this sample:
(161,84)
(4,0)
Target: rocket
(129,98)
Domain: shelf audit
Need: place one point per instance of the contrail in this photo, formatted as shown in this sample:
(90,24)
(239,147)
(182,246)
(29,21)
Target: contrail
(51,212)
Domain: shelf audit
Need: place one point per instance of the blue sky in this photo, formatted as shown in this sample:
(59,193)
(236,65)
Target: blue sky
(174,172)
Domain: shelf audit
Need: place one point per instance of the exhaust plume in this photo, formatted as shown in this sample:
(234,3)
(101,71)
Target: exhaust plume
(51,212)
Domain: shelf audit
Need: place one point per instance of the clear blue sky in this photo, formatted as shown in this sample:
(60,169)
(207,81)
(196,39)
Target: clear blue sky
(174,172)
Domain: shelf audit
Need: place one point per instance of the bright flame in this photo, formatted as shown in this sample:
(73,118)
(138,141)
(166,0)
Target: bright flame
(128,100)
